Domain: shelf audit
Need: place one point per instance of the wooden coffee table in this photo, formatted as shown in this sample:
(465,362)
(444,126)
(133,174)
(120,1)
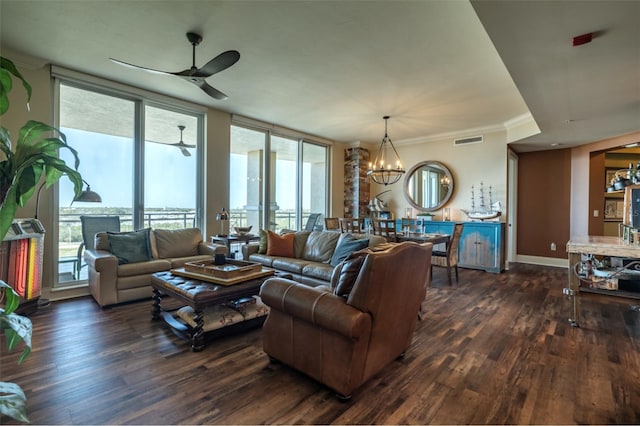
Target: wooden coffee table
(199,295)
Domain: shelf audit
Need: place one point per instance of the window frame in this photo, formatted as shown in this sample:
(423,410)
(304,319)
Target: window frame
(270,131)
(141,98)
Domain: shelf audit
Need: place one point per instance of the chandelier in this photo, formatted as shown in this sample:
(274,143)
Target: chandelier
(387,168)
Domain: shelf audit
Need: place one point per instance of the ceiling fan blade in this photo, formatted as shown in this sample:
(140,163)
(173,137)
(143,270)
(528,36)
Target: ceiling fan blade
(185,152)
(211,91)
(219,63)
(182,144)
(126,64)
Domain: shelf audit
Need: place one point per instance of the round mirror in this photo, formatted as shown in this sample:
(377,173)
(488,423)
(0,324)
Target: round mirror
(428,186)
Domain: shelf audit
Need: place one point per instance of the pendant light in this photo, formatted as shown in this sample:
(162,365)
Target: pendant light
(386,168)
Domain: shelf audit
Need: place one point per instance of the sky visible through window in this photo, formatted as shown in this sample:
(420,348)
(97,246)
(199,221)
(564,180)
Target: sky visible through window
(106,163)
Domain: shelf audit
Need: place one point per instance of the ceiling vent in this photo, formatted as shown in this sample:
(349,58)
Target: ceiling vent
(467,141)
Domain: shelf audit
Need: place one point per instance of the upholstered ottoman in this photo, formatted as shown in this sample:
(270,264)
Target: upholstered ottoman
(210,308)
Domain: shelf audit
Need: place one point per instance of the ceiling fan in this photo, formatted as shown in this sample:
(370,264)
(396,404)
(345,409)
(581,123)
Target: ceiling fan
(183,146)
(197,75)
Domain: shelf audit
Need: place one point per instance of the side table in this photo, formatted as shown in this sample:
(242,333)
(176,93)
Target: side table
(229,240)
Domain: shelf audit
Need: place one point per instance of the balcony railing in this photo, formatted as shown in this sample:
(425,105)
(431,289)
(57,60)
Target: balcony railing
(70,232)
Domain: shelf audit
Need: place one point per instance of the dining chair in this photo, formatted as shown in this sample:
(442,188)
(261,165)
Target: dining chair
(331,224)
(385,228)
(411,224)
(311,221)
(449,258)
(351,225)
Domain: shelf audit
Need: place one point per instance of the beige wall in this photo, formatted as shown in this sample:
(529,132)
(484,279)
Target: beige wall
(216,168)
(13,120)
(469,165)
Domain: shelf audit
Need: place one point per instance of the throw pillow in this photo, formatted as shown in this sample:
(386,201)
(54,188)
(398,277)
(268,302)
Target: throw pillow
(348,275)
(177,242)
(262,248)
(346,246)
(130,247)
(280,245)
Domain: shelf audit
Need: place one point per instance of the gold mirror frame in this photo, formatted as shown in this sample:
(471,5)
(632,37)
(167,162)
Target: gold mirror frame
(448,191)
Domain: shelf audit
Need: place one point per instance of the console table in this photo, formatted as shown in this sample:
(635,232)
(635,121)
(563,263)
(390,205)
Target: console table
(595,245)
(481,243)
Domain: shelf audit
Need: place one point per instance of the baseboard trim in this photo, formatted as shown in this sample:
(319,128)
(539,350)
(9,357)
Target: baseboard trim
(545,261)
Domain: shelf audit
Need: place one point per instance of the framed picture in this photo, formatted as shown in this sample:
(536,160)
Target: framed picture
(613,209)
(619,209)
(609,175)
(610,208)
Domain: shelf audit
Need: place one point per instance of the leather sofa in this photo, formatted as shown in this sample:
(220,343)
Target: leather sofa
(344,334)
(313,252)
(113,280)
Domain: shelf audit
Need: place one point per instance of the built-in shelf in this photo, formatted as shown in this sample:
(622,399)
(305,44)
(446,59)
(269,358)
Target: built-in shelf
(619,293)
(614,194)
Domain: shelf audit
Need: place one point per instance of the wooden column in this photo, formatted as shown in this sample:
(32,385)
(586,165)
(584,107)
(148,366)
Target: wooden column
(356,182)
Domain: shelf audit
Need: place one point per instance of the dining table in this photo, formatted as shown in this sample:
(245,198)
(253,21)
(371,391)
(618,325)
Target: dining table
(425,238)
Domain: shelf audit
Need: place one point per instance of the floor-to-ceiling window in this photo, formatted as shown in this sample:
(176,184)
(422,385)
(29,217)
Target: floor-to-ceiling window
(279,190)
(140,156)
(170,168)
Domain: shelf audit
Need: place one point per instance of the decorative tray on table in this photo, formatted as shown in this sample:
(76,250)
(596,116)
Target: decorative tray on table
(231,272)
(230,269)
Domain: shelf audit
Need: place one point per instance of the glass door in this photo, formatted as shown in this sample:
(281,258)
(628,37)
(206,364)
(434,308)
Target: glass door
(283,184)
(170,169)
(101,129)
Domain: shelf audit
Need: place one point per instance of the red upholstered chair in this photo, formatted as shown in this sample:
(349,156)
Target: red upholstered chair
(344,334)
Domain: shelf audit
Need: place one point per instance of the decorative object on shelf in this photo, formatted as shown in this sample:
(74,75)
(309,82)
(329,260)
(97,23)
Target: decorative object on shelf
(613,209)
(484,212)
(376,206)
(242,230)
(386,168)
(425,216)
(619,179)
(223,217)
(446,214)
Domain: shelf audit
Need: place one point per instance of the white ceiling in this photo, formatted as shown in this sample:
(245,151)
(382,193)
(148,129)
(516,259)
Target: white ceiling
(334,68)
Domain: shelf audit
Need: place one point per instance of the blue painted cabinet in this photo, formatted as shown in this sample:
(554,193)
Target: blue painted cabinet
(481,244)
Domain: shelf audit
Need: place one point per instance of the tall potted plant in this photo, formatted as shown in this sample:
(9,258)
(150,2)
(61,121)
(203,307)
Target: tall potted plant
(34,156)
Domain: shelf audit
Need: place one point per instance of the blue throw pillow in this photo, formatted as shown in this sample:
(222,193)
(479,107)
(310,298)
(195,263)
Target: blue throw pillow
(348,245)
(130,247)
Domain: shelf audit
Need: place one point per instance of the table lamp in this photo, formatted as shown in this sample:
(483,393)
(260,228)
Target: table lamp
(223,216)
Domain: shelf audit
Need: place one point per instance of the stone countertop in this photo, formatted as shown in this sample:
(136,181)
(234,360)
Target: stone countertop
(608,246)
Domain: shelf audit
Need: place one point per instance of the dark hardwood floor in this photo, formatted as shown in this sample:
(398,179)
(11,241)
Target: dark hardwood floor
(495,349)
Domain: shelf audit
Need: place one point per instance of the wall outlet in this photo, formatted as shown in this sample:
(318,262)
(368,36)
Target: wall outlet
(553,246)
(596,213)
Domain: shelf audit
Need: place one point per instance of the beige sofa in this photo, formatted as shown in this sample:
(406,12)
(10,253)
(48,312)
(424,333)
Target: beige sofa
(313,252)
(121,264)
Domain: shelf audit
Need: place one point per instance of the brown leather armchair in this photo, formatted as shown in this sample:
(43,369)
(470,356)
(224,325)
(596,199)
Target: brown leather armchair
(342,336)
